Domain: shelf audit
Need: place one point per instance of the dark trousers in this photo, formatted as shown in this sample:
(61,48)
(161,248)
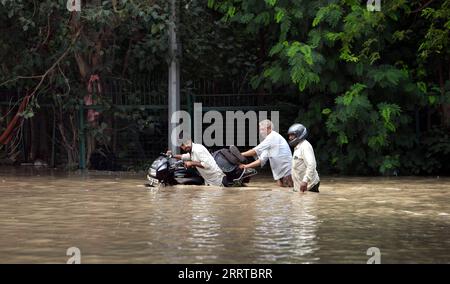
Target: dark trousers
(225,181)
(315,188)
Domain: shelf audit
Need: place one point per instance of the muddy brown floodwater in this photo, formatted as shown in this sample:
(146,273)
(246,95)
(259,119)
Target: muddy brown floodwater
(115,219)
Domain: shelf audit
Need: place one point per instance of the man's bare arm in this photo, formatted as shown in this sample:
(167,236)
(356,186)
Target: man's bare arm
(253,164)
(178,156)
(189,164)
(249,153)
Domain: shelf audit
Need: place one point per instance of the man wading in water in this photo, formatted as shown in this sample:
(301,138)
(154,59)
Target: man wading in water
(304,172)
(275,149)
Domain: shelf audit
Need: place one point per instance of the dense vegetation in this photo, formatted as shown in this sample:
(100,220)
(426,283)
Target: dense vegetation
(373,87)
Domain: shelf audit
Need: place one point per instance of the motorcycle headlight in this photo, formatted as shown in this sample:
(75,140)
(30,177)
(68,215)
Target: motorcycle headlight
(153,172)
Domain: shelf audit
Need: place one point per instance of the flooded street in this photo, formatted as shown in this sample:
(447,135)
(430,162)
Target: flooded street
(115,219)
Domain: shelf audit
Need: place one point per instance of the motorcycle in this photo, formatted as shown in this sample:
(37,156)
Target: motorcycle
(166,170)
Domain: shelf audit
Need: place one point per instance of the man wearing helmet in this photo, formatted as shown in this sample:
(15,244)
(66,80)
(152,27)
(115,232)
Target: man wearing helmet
(304,173)
(275,149)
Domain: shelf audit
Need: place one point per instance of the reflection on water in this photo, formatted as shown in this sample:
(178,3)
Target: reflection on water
(114,218)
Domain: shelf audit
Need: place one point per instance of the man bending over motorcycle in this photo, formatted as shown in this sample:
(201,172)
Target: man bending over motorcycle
(196,155)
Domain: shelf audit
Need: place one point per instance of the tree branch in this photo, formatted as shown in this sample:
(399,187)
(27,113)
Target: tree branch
(20,77)
(56,63)
(43,76)
(422,7)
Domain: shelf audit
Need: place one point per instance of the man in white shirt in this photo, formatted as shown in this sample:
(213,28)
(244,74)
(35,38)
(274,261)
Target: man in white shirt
(198,156)
(275,149)
(304,172)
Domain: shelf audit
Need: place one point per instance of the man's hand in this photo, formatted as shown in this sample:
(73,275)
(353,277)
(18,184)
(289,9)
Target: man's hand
(253,164)
(188,164)
(243,167)
(303,186)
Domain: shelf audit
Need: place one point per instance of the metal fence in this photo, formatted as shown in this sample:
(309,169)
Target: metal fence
(132,126)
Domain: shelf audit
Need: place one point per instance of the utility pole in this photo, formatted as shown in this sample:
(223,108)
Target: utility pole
(174,73)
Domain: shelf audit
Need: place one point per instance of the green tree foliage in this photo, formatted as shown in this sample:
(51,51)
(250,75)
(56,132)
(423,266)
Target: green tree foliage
(121,39)
(373,87)
(373,75)
(51,52)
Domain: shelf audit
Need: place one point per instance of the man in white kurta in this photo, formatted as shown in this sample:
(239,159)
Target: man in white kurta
(304,172)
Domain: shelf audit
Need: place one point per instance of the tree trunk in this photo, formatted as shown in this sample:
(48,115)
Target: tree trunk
(88,64)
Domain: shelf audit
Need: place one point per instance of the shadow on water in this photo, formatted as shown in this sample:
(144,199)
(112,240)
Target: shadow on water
(112,217)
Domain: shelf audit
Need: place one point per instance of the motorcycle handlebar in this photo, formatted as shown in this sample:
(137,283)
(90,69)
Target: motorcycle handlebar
(165,155)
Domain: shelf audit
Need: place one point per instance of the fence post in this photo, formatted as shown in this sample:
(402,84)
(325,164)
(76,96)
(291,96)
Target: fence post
(82,164)
(174,73)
